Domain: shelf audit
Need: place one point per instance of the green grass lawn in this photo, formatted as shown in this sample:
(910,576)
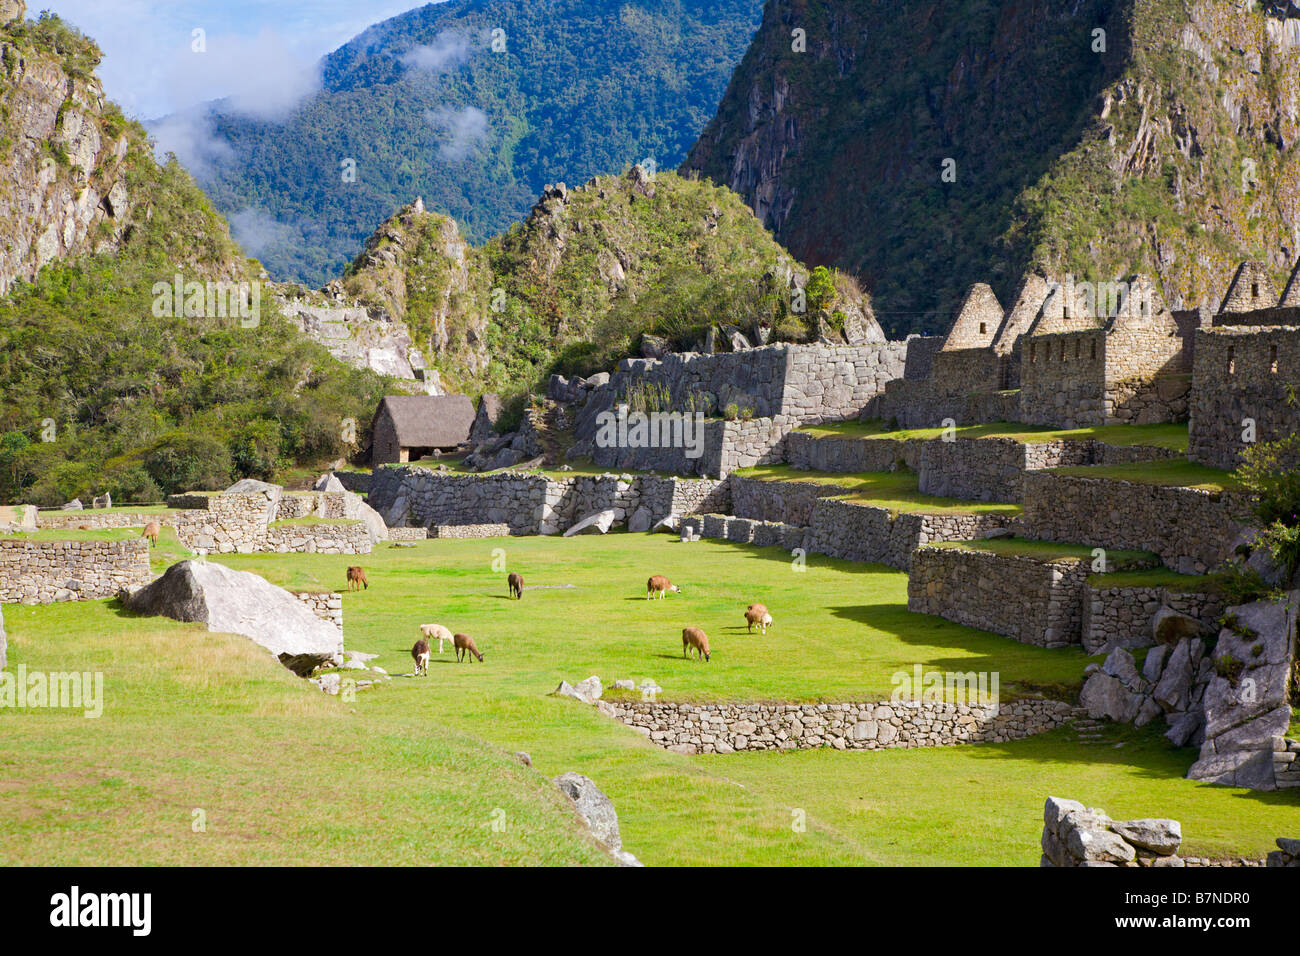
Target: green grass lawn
(1170,436)
(1176,472)
(1054,551)
(412,772)
(1157,578)
(895,490)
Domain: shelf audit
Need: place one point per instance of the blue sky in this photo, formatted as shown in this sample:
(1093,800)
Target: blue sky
(261,52)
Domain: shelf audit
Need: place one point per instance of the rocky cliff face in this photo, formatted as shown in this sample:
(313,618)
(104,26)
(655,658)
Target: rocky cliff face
(414,298)
(75,176)
(929,147)
(62,169)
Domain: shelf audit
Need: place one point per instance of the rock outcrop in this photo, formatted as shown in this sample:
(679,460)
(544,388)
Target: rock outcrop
(1246,704)
(1076,836)
(597,812)
(238,602)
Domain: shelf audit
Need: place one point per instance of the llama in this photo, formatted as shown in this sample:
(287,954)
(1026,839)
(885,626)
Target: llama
(659,586)
(757,614)
(432,631)
(465,643)
(695,639)
(357,575)
(516,582)
(421,654)
(151,531)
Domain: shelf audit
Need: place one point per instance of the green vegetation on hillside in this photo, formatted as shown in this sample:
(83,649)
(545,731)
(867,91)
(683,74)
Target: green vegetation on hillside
(425,106)
(99,392)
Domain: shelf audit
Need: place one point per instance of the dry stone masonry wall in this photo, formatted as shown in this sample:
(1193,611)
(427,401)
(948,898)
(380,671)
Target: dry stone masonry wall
(42,572)
(873,725)
(1190,528)
(1029,600)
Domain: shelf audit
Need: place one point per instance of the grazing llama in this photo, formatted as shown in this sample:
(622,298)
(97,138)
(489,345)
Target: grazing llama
(659,586)
(695,639)
(516,582)
(357,575)
(464,643)
(421,654)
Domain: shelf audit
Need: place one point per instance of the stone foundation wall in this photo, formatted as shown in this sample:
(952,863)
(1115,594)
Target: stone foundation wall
(852,532)
(1121,617)
(408,534)
(349,538)
(468,531)
(789,502)
(1191,529)
(873,725)
(908,403)
(326,605)
(413,496)
(856,532)
(810,453)
(1031,601)
(42,572)
(100,520)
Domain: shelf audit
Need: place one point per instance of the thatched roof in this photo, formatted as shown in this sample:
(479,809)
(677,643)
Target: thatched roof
(429,421)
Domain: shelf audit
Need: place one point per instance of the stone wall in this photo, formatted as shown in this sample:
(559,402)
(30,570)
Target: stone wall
(846,530)
(469,531)
(873,725)
(342,538)
(811,453)
(531,504)
(1241,374)
(100,519)
(1063,379)
(789,502)
(807,383)
(1121,616)
(909,403)
(1029,600)
(42,572)
(326,605)
(1190,528)
(1076,836)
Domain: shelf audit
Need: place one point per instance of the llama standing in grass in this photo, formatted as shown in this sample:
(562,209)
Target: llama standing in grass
(516,582)
(421,654)
(659,586)
(357,575)
(151,531)
(436,632)
(757,614)
(465,644)
(693,639)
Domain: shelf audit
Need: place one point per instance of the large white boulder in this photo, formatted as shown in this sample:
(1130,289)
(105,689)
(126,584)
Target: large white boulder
(238,602)
(329,482)
(598,523)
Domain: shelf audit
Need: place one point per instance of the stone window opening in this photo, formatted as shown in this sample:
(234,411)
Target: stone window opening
(983,328)
(1094,350)
(1232,363)
(1254,290)
(1078,349)
(1272,359)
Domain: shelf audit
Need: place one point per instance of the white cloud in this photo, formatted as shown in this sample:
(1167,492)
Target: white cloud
(189,135)
(256,76)
(448,50)
(256,231)
(464,129)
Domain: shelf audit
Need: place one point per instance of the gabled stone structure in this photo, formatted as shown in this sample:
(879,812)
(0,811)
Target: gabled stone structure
(1080,369)
(1251,289)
